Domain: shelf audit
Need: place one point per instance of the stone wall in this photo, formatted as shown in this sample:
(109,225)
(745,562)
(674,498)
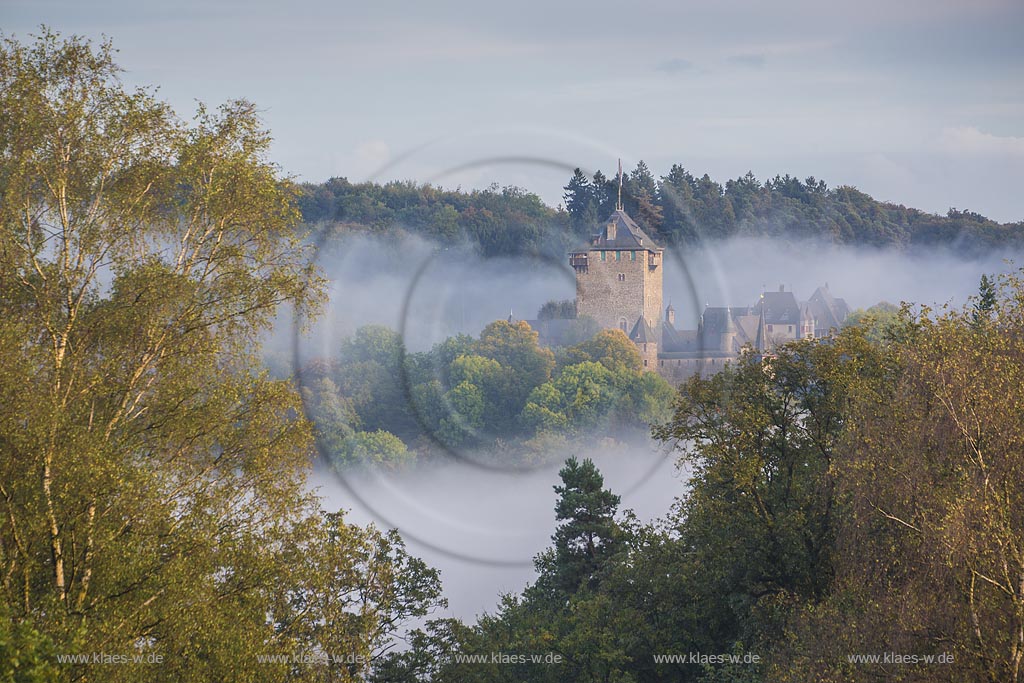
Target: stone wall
(676,370)
(622,287)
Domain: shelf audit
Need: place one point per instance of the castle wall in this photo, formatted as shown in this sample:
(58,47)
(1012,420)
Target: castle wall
(677,370)
(602,295)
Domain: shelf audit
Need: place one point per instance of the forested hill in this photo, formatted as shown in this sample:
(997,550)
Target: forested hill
(677,209)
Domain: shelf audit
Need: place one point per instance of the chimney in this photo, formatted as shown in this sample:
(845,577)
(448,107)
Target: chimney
(782,288)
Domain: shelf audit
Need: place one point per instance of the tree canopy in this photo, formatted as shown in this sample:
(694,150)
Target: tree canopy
(468,393)
(679,208)
(152,477)
(853,512)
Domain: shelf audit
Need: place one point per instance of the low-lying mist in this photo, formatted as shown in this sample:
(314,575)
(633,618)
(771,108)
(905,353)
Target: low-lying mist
(430,292)
(482,527)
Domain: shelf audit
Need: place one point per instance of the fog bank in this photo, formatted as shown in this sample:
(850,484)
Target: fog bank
(430,292)
(482,527)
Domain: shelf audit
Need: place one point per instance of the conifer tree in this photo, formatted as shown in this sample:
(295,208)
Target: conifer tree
(587,535)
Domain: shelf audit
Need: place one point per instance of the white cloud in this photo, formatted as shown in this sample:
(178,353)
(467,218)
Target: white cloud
(968,141)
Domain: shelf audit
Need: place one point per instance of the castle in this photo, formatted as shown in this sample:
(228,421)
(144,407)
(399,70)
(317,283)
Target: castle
(619,278)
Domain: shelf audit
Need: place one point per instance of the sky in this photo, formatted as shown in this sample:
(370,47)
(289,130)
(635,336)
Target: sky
(920,102)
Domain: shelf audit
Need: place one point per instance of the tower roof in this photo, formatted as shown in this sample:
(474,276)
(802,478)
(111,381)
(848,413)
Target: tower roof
(642,332)
(626,235)
(761,342)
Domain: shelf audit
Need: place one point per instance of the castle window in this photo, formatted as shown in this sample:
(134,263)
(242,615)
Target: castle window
(622,277)
(769,328)
(618,256)
(645,362)
(604,255)
(632,256)
(789,329)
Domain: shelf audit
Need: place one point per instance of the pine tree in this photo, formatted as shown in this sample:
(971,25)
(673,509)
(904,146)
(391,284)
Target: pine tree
(580,202)
(985,302)
(587,535)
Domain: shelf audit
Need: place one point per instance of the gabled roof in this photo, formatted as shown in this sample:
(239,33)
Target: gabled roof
(829,312)
(628,235)
(779,308)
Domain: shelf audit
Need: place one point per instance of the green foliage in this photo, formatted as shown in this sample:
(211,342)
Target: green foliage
(468,393)
(558,310)
(587,536)
(610,348)
(379,448)
(26,655)
(582,395)
(500,221)
(931,483)
(855,494)
(882,323)
(986,301)
(152,478)
(677,209)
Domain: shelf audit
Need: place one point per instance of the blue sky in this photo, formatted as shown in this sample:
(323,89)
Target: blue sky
(919,102)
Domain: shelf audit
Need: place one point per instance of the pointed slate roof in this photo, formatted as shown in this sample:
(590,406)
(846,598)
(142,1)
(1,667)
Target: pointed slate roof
(627,234)
(642,332)
(761,342)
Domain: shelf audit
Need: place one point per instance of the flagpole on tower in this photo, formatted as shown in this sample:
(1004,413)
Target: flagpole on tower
(618,204)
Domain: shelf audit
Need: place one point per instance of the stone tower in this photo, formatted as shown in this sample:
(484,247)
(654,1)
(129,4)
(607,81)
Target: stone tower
(619,275)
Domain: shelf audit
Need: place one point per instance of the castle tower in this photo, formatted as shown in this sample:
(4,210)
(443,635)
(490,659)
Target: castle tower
(619,275)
